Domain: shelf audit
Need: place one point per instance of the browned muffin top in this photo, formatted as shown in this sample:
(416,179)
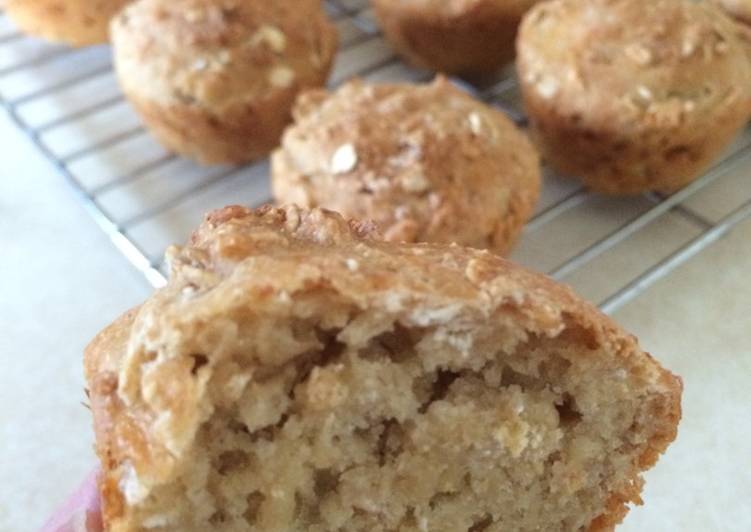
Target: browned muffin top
(637,64)
(425,162)
(218,52)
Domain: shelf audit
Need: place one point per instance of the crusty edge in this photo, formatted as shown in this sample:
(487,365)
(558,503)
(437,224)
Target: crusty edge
(101,357)
(617,504)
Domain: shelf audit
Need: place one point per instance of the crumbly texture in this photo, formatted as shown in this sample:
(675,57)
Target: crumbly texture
(466,37)
(632,96)
(297,374)
(215,79)
(427,163)
(73,22)
(740,9)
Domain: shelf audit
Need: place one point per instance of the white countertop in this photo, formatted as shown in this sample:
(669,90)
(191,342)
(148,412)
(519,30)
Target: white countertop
(61,281)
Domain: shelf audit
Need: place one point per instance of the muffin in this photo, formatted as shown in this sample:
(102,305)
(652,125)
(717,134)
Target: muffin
(297,374)
(215,80)
(466,37)
(740,9)
(427,163)
(73,22)
(633,95)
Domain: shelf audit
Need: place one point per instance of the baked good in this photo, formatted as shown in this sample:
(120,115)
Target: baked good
(298,374)
(215,80)
(74,22)
(467,37)
(633,95)
(740,9)
(427,163)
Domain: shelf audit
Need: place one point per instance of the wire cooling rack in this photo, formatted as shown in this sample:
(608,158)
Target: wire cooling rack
(144,198)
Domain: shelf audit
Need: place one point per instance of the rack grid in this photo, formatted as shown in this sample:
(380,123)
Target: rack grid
(144,198)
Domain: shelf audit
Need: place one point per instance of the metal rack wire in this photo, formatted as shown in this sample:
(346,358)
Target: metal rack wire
(68,103)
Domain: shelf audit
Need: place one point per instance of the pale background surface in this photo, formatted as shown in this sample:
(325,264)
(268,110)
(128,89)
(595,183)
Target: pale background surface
(61,281)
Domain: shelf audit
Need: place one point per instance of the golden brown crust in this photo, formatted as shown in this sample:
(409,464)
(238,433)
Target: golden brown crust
(101,363)
(640,97)
(74,22)
(421,161)
(241,260)
(216,80)
(470,37)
